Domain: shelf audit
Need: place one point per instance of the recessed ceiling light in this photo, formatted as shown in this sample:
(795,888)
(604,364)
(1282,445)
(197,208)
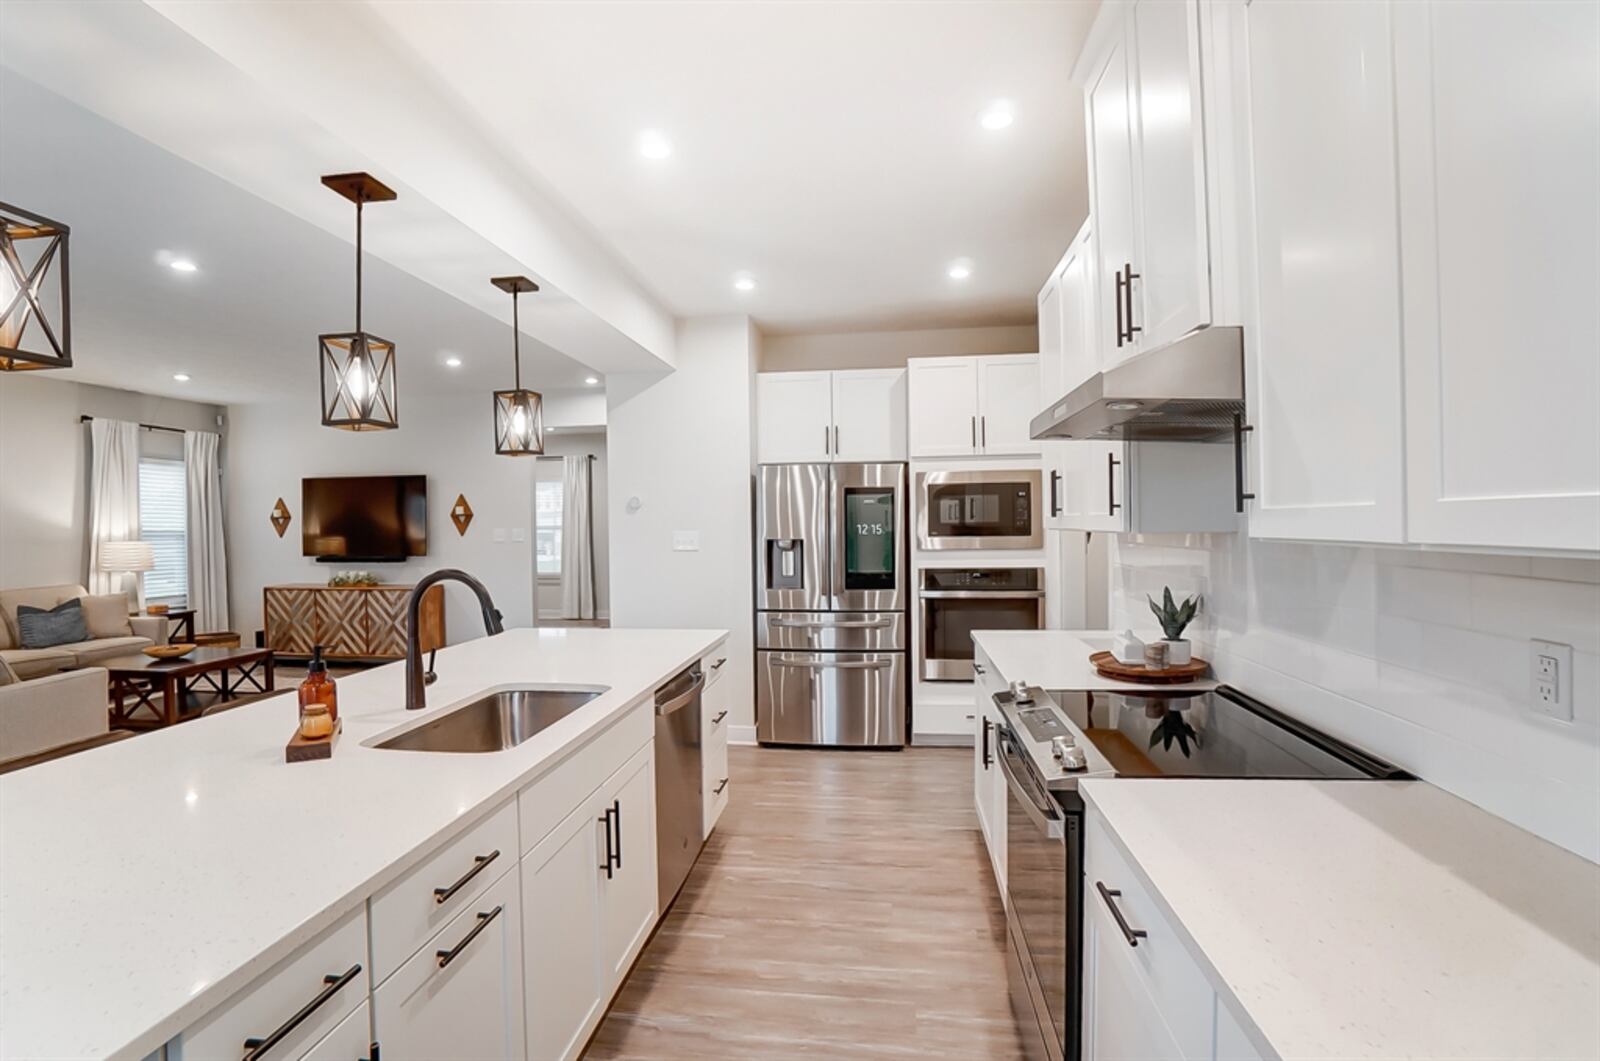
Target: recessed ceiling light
(744,282)
(654,144)
(959,269)
(1123,407)
(591,380)
(182,265)
(997,115)
(453,361)
(181,377)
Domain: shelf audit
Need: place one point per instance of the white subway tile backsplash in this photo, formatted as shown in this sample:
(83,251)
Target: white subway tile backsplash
(1418,656)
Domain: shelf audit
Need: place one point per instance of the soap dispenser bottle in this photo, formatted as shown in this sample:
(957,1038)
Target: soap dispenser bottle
(319,698)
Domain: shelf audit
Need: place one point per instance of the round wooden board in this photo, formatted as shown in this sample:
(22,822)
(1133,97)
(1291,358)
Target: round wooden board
(1108,667)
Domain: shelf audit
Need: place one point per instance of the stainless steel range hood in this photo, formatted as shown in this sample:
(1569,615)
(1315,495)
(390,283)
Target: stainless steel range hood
(1186,391)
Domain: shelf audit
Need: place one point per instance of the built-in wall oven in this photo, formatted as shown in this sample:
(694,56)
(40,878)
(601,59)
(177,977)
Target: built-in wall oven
(980,509)
(958,600)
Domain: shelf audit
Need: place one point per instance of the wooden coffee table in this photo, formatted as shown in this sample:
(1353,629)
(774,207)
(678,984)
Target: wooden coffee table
(210,675)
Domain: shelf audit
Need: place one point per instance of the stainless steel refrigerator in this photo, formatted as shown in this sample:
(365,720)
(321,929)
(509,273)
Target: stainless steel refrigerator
(832,589)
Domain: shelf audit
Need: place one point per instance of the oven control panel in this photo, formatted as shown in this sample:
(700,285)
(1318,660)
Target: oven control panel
(1054,747)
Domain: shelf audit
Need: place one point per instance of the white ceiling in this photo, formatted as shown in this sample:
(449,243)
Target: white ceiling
(831,149)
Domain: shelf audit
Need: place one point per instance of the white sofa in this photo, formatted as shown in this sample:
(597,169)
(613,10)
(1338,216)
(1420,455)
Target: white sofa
(143,631)
(40,714)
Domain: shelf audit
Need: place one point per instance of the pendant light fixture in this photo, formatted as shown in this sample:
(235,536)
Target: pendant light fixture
(518,413)
(30,245)
(357,369)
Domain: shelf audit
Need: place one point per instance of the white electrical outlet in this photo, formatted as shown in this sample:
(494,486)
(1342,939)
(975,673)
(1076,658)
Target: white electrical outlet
(1551,677)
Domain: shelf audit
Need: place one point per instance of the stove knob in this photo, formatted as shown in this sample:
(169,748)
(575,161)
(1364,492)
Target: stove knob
(1068,754)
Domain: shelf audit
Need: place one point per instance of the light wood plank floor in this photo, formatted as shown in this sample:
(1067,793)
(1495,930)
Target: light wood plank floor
(843,908)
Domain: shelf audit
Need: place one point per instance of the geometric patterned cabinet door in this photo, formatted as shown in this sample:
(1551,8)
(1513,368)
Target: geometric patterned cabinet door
(342,622)
(386,621)
(291,619)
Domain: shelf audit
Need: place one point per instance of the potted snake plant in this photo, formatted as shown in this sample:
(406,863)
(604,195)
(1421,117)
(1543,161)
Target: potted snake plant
(1174,618)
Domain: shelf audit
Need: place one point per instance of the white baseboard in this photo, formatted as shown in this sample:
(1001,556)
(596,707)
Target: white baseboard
(741,734)
(941,740)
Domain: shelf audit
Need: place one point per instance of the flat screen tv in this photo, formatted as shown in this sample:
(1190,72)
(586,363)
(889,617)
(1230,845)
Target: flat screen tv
(364,517)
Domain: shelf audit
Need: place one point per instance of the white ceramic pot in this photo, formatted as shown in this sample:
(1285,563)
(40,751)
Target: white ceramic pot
(1177,652)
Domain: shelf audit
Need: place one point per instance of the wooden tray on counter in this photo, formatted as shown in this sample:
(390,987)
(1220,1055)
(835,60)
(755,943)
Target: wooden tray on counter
(1108,666)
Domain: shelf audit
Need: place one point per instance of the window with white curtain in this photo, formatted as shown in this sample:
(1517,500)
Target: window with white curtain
(547,523)
(163,522)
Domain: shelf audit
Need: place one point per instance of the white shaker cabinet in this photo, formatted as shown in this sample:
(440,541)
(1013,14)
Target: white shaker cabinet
(628,892)
(988,783)
(1171,293)
(794,417)
(1109,119)
(461,996)
(1068,356)
(1499,152)
(561,947)
(972,406)
(869,415)
(1323,355)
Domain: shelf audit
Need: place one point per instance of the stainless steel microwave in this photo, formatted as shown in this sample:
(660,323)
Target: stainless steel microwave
(980,509)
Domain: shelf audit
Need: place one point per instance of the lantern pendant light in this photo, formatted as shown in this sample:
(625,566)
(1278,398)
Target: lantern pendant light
(518,413)
(29,291)
(357,369)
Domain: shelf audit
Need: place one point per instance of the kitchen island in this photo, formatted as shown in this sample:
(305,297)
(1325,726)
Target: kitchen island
(155,888)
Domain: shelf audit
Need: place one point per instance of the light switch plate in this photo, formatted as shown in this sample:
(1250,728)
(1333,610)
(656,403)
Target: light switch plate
(518,534)
(686,541)
(499,534)
(1550,679)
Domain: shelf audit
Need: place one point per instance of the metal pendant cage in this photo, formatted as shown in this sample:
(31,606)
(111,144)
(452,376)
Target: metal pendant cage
(34,291)
(358,382)
(518,423)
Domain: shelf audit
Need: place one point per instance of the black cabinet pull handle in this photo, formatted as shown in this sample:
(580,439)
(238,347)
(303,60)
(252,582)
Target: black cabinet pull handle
(1111,481)
(1109,897)
(1127,292)
(605,819)
(442,895)
(720,786)
(983,430)
(1055,493)
(257,1048)
(974,432)
(445,957)
(827,438)
(718,664)
(1239,494)
(978,668)
(1121,283)
(987,758)
(718,717)
(616,817)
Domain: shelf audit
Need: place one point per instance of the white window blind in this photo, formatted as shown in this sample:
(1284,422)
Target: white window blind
(547,525)
(163,522)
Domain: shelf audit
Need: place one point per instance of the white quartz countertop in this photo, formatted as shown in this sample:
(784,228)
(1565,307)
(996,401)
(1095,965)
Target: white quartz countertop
(1059,659)
(1353,919)
(142,883)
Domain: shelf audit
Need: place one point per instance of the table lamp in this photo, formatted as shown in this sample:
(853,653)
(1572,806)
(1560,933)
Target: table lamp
(132,559)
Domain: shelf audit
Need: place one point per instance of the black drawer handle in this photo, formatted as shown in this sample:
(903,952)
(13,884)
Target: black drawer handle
(445,957)
(720,786)
(442,895)
(605,820)
(1109,897)
(718,717)
(616,819)
(718,664)
(257,1048)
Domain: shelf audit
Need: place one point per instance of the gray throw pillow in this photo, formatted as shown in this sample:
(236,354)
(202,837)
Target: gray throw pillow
(61,625)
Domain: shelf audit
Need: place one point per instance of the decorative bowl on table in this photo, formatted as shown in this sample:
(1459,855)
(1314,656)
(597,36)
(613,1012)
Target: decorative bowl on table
(157,609)
(169,651)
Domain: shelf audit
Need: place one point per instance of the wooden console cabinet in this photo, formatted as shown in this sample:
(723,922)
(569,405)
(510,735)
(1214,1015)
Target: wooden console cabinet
(349,622)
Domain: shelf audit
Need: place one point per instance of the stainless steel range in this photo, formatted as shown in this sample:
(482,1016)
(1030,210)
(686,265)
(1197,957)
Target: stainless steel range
(831,595)
(1048,743)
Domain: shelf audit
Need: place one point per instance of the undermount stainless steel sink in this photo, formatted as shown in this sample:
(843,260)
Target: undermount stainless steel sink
(494,722)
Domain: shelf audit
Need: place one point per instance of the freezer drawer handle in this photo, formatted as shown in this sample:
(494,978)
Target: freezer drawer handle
(445,957)
(256,1048)
(479,862)
(1110,896)
(826,624)
(826,664)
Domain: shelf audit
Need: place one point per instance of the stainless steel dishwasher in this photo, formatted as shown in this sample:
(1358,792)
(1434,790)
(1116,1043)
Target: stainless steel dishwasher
(680,806)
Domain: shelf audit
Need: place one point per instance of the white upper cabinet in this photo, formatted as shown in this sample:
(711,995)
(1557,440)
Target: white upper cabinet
(1323,345)
(1499,134)
(869,415)
(1172,285)
(794,417)
(1109,119)
(973,406)
(804,417)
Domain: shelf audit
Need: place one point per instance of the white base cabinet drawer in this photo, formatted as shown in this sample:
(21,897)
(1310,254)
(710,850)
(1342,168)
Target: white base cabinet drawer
(715,780)
(461,996)
(331,968)
(946,722)
(412,910)
(350,1041)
